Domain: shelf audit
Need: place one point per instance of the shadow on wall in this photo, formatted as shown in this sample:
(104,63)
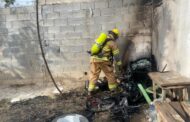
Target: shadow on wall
(21,57)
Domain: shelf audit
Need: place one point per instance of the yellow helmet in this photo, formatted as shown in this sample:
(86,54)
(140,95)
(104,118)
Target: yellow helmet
(116,31)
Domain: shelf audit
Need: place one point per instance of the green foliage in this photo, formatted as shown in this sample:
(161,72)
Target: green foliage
(9,2)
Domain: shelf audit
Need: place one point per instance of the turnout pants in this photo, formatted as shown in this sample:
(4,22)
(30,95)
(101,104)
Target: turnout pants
(107,68)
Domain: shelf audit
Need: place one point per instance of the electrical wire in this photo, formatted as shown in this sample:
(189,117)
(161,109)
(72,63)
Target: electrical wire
(42,51)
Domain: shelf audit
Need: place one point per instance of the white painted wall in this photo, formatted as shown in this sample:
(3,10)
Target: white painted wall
(171,37)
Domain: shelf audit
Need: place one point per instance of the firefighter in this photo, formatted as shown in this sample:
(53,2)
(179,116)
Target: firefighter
(102,61)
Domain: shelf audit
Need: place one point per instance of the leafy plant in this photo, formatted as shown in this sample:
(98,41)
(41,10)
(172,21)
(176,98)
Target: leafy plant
(9,2)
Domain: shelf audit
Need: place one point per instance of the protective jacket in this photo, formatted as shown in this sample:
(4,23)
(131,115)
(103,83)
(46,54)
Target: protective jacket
(109,52)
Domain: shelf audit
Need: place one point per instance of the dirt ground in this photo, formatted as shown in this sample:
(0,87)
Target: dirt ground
(45,109)
(17,90)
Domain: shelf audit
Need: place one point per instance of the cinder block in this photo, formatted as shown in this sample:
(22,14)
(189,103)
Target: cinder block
(32,9)
(52,1)
(123,11)
(101,4)
(33,16)
(75,49)
(76,21)
(48,22)
(73,35)
(128,18)
(2,24)
(53,42)
(5,11)
(17,24)
(74,42)
(63,50)
(54,49)
(27,33)
(44,29)
(88,35)
(94,28)
(108,12)
(127,3)
(115,3)
(88,21)
(11,17)
(49,36)
(15,50)
(3,38)
(23,23)
(96,12)
(88,29)
(60,22)
(108,26)
(47,9)
(104,19)
(118,18)
(79,14)
(59,7)
(21,10)
(108,19)
(8,25)
(81,55)
(66,14)
(2,18)
(53,29)
(66,7)
(81,28)
(70,70)
(13,11)
(65,42)
(87,5)
(52,15)
(59,36)
(75,6)
(42,2)
(68,55)
(67,29)
(7,53)
(23,16)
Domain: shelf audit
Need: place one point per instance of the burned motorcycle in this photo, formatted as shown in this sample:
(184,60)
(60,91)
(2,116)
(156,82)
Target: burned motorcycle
(126,101)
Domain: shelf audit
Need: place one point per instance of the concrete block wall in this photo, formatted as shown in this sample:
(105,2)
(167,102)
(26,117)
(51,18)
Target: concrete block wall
(68,28)
(19,49)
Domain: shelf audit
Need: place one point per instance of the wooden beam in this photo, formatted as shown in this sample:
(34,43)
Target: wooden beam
(186,107)
(167,113)
(177,106)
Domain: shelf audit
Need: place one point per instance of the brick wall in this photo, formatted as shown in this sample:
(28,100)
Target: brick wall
(68,29)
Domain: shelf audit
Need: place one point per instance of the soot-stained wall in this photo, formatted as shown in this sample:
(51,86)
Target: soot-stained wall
(171,44)
(68,28)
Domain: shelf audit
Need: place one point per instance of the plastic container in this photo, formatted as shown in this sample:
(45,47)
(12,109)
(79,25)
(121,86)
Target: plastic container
(71,118)
(152,113)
